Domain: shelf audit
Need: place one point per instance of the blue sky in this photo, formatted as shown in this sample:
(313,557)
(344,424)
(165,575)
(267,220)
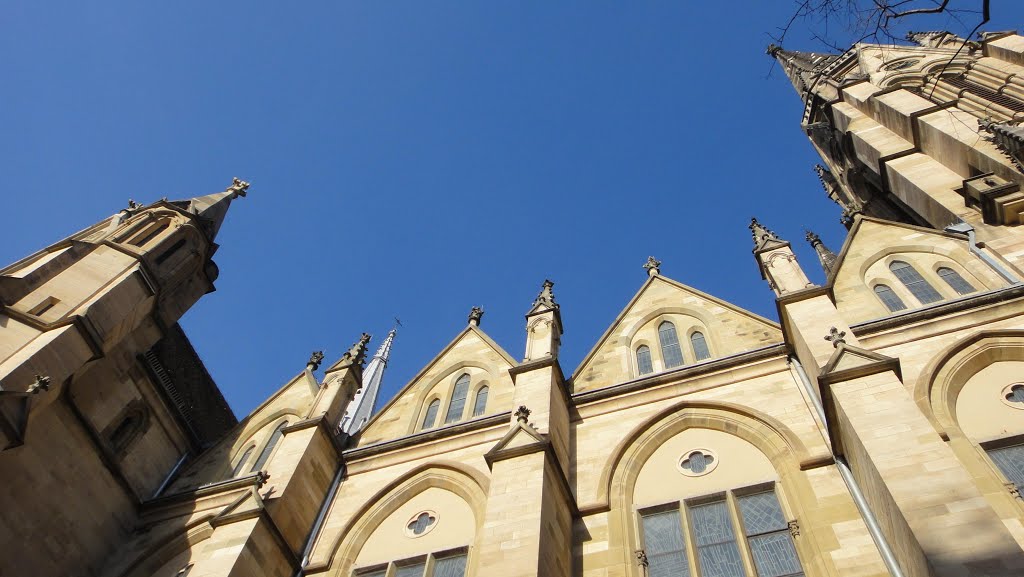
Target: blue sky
(414,159)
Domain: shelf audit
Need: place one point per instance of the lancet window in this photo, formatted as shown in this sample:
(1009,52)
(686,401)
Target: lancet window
(242,461)
(643,360)
(670,351)
(700,346)
(443,564)
(891,300)
(431,415)
(915,283)
(955,281)
(458,401)
(275,438)
(480,404)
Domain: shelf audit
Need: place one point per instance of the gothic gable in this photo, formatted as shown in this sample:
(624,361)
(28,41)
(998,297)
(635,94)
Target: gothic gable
(705,328)
(868,278)
(473,354)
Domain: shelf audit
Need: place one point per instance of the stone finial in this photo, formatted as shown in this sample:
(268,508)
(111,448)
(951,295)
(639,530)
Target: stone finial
(641,558)
(41,384)
(132,205)
(522,414)
(760,233)
(314,360)
(356,354)
(826,257)
(652,266)
(773,50)
(238,188)
(836,337)
(475,314)
(546,297)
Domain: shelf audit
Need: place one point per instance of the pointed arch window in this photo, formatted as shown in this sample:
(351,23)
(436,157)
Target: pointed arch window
(955,281)
(431,415)
(915,283)
(700,346)
(891,300)
(241,462)
(265,454)
(458,402)
(480,403)
(670,350)
(643,360)
(1010,461)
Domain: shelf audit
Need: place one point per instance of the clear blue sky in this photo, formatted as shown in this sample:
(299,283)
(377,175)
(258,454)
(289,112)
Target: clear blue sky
(415,159)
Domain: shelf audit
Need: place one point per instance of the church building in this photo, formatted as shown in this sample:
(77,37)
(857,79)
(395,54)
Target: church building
(875,429)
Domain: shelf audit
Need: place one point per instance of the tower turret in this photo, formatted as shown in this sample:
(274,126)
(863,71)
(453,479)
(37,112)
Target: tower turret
(776,260)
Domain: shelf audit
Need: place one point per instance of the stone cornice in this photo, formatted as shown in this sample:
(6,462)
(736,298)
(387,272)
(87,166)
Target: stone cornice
(421,437)
(944,308)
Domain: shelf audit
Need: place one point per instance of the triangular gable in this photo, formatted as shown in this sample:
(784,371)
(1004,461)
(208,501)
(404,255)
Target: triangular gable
(730,329)
(521,439)
(473,350)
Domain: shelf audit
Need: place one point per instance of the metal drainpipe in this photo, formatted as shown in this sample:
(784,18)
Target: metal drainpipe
(170,476)
(874,529)
(964,228)
(318,524)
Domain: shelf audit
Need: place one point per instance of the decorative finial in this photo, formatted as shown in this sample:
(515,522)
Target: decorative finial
(475,314)
(132,205)
(826,257)
(314,360)
(835,336)
(522,414)
(760,233)
(357,353)
(238,188)
(773,50)
(641,558)
(41,384)
(546,297)
(652,266)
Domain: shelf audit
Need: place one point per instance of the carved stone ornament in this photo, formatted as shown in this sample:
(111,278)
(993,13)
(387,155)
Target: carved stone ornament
(652,266)
(41,384)
(836,337)
(261,479)
(315,359)
(238,188)
(1014,490)
(357,353)
(641,558)
(522,414)
(475,314)
(794,528)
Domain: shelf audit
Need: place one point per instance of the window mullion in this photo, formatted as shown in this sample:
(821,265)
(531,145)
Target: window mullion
(740,533)
(428,567)
(690,539)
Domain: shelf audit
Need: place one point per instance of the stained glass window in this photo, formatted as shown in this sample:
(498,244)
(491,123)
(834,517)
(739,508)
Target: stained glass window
(447,564)
(480,404)
(458,400)
(421,523)
(768,535)
(643,360)
(914,282)
(431,415)
(891,300)
(274,438)
(670,350)
(453,566)
(415,570)
(955,281)
(700,346)
(717,552)
(1010,461)
(1016,394)
(664,545)
(241,462)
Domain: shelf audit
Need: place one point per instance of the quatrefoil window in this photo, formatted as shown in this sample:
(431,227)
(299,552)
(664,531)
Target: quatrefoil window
(1013,395)
(697,462)
(421,524)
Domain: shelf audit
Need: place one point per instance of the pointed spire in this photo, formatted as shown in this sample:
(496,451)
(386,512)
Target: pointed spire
(214,207)
(802,68)
(762,235)
(652,266)
(475,314)
(354,356)
(546,298)
(364,404)
(826,257)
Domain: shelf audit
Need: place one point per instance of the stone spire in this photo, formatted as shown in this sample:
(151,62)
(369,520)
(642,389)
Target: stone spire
(214,207)
(365,402)
(851,206)
(653,266)
(803,68)
(764,237)
(826,257)
(546,298)
(475,314)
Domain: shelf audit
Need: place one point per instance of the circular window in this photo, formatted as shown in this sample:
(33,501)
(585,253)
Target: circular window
(1013,395)
(421,524)
(697,462)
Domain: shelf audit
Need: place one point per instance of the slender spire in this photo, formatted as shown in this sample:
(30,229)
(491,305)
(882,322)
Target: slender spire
(214,207)
(546,297)
(826,257)
(365,402)
(763,236)
(802,68)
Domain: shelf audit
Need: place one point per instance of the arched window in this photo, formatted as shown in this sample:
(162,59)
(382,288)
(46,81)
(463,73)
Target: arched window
(458,402)
(241,462)
(890,299)
(133,424)
(480,404)
(700,346)
(955,281)
(643,360)
(431,414)
(670,350)
(914,282)
(265,454)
